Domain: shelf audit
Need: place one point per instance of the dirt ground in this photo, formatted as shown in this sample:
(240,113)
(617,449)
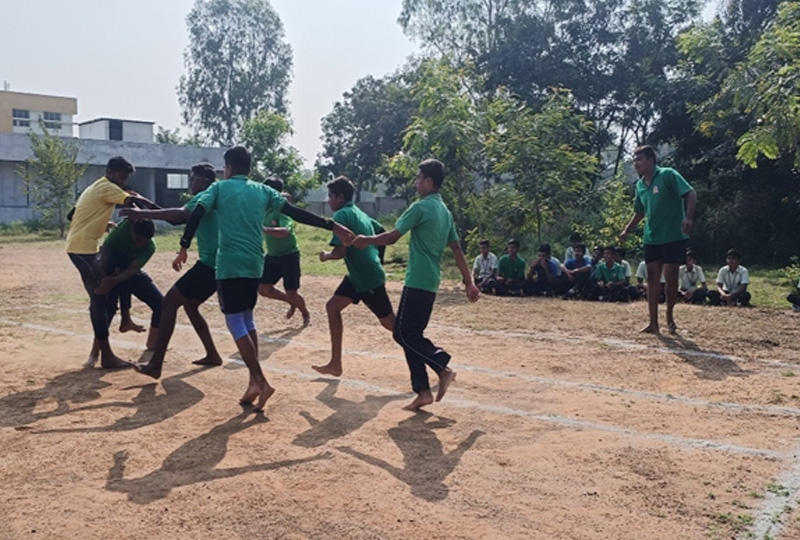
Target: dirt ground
(564,423)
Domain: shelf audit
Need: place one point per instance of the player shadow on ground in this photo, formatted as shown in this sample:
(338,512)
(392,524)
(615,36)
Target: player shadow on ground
(348,416)
(710,365)
(268,345)
(151,408)
(426,466)
(193,462)
(67,389)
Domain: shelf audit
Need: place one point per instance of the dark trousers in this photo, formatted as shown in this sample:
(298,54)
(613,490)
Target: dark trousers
(715,298)
(89,268)
(142,287)
(492,286)
(413,315)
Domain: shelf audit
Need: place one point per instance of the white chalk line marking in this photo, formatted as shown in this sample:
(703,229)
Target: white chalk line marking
(594,387)
(682,442)
(770,519)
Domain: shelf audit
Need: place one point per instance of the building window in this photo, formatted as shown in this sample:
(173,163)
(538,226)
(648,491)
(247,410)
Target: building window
(52,120)
(115,130)
(22,117)
(177,181)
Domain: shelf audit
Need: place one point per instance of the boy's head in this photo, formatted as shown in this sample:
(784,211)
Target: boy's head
(119,170)
(275,183)
(513,246)
(575,239)
(644,160)
(483,246)
(340,192)
(608,254)
(237,161)
(203,175)
(619,253)
(580,251)
(544,251)
(597,252)
(733,258)
(142,232)
(430,176)
(691,257)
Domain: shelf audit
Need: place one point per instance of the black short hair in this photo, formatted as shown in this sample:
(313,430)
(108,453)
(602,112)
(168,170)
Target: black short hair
(513,241)
(120,164)
(691,253)
(433,169)
(275,183)
(145,228)
(206,170)
(620,251)
(575,237)
(239,159)
(484,243)
(735,253)
(647,151)
(544,248)
(580,246)
(341,185)
(607,248)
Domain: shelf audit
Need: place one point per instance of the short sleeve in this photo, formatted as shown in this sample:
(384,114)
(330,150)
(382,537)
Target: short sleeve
(275,201)
(452,236)
(475,264)
(408,219)
(720,275)
(340,218)
(638,207)
(678,183)
(377,228)
(492,261)
(701,277)
(641,271)
(745,276)
(208,198)
(144,255)
(113,194)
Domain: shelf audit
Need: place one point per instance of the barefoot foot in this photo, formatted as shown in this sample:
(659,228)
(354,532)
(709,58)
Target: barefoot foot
(673,328)
(290,313)
(650,329)
(306,319)
(423,398)
(209,361)
(329,369)
(114,362)
(445,378)
(147,369)
(130,326)
(265,392)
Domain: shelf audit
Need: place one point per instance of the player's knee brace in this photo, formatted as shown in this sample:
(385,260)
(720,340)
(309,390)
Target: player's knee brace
(236,325)
(249,323)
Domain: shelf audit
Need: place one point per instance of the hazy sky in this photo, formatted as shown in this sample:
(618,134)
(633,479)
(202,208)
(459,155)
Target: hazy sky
(124,59)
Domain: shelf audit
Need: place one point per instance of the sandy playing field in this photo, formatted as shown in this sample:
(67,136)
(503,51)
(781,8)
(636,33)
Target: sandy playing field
(563,423)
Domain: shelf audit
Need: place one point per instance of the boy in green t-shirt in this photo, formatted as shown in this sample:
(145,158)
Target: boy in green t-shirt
(431,226)
(610,276)
(365,280)
(282,260)
(510,273)
(197,285)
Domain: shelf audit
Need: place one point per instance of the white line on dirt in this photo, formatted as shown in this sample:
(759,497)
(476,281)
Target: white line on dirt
(770,519)
(683,442)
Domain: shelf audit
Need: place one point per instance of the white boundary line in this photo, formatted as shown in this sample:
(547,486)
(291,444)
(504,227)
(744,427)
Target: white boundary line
(770,519)
(682,442)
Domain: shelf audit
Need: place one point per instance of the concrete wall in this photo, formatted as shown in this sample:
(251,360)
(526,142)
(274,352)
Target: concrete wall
(137,132)
(38,103)
(94,130)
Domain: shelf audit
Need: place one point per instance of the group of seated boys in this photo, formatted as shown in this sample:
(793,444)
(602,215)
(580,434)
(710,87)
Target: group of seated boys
(605,276)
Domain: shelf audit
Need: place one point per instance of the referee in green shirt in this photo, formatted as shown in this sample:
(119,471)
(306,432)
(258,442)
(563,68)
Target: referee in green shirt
(431,226)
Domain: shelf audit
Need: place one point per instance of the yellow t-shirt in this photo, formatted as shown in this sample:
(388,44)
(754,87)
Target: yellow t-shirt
(92,212)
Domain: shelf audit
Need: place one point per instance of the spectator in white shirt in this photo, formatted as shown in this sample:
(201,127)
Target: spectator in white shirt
(485,265)
(691,280)
(732,282)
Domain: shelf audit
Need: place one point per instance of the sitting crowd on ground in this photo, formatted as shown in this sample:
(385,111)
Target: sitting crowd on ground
(605,276)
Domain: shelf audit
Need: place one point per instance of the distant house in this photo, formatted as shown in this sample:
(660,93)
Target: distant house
(161,169)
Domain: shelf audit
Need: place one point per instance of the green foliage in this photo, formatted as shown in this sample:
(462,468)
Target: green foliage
(237,64)
(50,177)
(500,212)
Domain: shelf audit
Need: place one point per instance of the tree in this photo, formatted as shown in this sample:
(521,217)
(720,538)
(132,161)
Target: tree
(237,64)
(51,175)
(165,136)
(265,135)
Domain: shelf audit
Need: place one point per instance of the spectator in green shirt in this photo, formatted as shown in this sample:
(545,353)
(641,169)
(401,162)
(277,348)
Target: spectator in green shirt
(667,202)
(510,273)
(610,276)
(432,229)
(365,280)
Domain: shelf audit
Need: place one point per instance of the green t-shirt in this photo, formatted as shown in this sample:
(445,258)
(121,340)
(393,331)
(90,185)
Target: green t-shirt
(609,275)
(432,228)
(241,205)
(207,234)
(121,250)
(662,205)
(363,265)
(280,246)
(511,270)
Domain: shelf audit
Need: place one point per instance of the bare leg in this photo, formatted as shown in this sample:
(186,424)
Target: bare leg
(252,382)
(126,324)
(653,287)
(169,310)
(334,308)
(298,301)
(212,357)
(270,291)
(671,277)
(258,386)
(94,355)
(152,338)
(108,360)
(423,398)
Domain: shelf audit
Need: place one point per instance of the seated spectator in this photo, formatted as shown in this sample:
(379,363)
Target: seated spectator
(610,276)
(691,280)
(485,265)
(794,299)
(510,273)
(597,255)
(732,282)
(574,240)
(641,283)
(619,256)
(544,276)
(578,272)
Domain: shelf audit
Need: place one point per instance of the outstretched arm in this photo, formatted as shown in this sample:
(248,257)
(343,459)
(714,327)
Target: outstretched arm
(307,218)
(472,291)
(384,239)
(338,252)
(175,216)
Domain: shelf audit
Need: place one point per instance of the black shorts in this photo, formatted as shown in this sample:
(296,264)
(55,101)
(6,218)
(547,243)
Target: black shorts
(670,253)
(376,299)
(237,295)
(198,283)
(283,266)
